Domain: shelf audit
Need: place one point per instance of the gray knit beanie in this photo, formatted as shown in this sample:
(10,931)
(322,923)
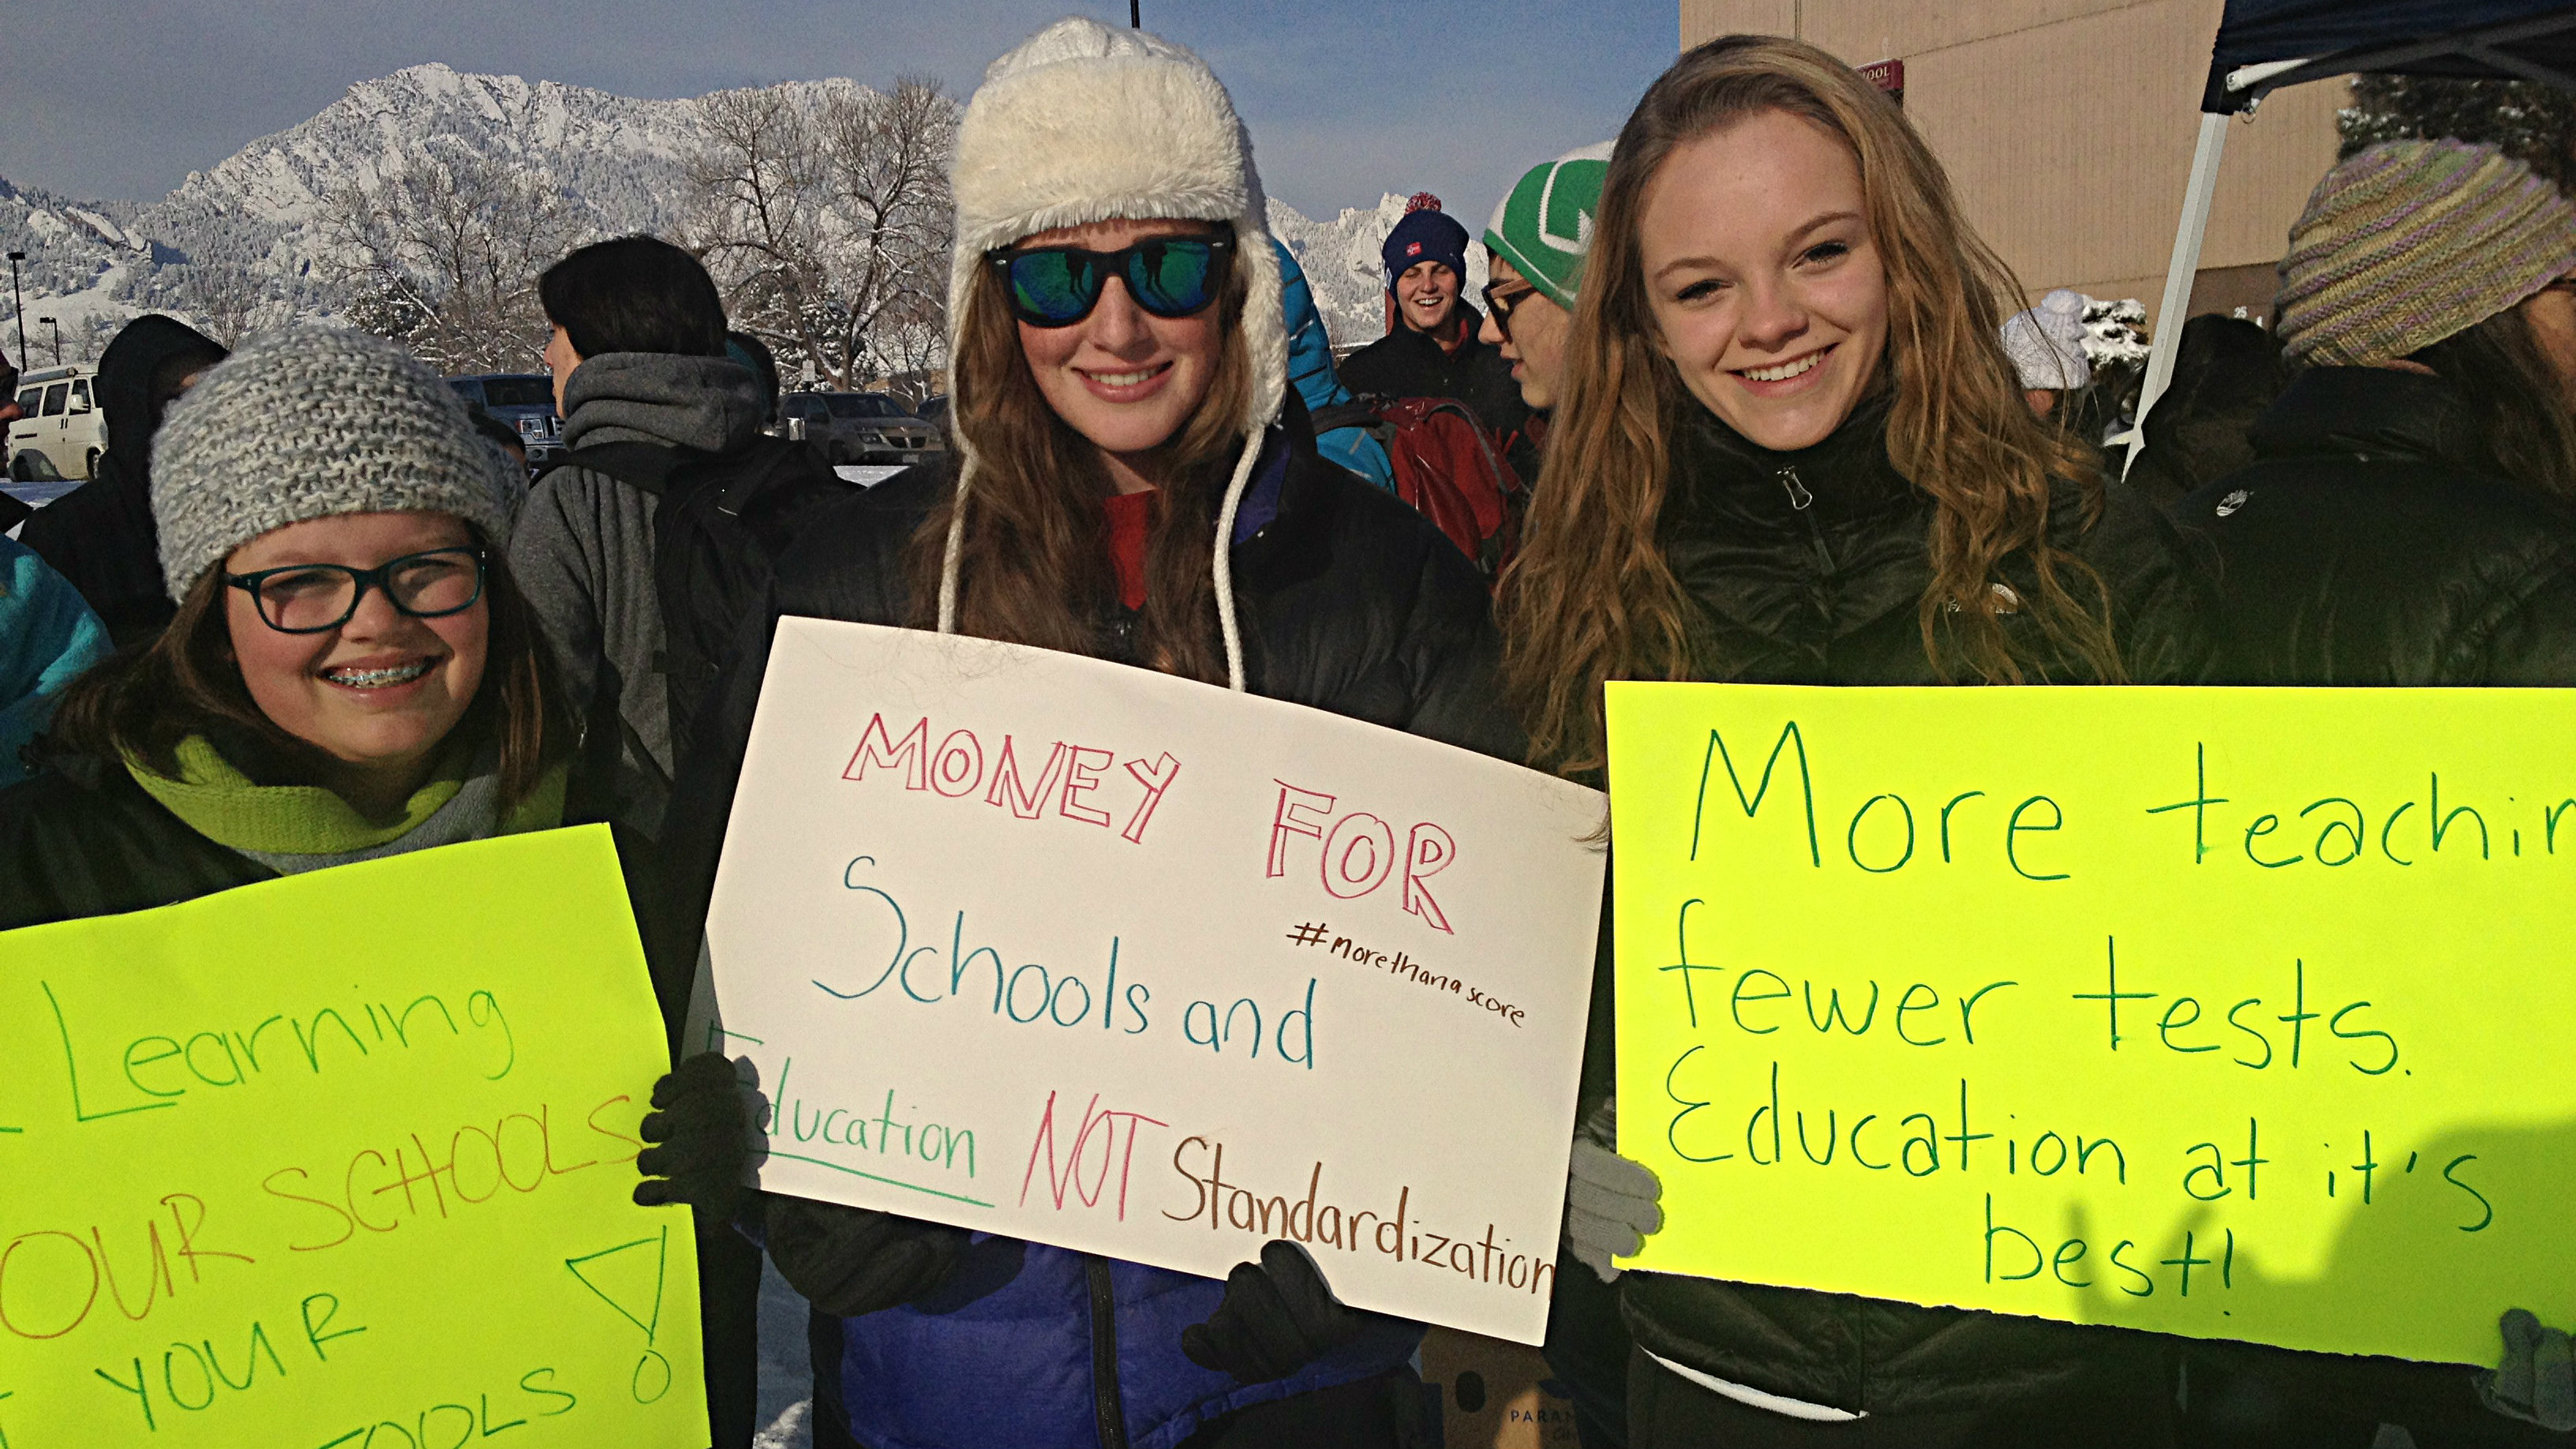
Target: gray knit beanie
(311,422)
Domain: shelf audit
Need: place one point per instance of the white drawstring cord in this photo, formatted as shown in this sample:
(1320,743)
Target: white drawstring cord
(952,560)
(1225,560)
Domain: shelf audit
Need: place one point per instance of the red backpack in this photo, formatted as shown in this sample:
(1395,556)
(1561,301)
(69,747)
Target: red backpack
(1447,467)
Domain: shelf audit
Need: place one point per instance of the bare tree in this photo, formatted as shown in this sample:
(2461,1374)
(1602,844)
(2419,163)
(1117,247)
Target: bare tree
(828,223)
(227,299)
(888,163)
(756,215)
(443,255)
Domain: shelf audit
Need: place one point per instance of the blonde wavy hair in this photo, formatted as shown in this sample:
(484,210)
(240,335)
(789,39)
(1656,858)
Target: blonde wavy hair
(1591,599)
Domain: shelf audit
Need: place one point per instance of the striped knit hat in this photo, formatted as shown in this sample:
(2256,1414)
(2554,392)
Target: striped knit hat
(2409,242)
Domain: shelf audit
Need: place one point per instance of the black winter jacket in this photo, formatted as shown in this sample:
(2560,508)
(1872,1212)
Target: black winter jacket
(1406,363)
(2366,546)
(1807,568)
(80,838)
(102,537)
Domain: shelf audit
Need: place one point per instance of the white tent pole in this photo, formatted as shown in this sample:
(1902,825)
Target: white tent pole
(2185,267)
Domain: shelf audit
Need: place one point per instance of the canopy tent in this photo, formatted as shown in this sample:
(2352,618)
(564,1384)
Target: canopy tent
(2264,45)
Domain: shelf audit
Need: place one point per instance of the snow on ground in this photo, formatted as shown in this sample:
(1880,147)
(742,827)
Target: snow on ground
(786,1401)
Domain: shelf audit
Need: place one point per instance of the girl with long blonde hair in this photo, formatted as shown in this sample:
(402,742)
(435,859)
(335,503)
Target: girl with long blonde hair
(1791,449)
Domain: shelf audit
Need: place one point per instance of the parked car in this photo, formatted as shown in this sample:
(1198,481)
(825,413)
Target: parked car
(861,427)
(63,430)
(524,401)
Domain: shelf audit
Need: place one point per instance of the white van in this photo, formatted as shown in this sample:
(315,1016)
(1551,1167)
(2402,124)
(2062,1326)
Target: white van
(63,429)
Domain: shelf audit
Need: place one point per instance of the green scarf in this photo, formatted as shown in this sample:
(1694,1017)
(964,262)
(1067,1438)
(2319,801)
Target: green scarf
(221,803)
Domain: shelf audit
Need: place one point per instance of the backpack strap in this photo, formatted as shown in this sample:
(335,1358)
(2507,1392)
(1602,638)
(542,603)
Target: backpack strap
(646,467)
(765,467)
(1485,443)
(1357,413)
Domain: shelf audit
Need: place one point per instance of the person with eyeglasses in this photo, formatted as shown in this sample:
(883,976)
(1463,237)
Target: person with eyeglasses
(1134,480)
(1534,249)
(349,673)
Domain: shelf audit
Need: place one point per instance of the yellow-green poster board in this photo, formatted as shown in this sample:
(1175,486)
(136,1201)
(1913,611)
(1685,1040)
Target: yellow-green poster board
(2233,1013)
(343,1160)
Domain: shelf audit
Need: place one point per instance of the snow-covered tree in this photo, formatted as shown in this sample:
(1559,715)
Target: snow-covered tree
(443,254)
(2527,120)
(826,220)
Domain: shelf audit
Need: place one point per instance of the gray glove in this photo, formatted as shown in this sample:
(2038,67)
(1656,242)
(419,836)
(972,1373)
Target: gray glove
(2537,1380)
(1611,1203)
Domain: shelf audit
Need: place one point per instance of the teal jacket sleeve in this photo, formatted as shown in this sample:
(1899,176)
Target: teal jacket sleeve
(48,636)
(1310,371)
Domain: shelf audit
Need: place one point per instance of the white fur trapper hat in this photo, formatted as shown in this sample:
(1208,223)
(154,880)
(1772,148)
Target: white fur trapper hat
(1085,123)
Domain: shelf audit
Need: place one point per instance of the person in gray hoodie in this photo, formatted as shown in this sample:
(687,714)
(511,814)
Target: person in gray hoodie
(638,356)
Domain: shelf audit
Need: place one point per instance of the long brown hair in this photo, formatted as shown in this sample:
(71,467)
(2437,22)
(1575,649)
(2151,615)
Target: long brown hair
(1591,599)
(1032,569)
(2515,416)
(149,697)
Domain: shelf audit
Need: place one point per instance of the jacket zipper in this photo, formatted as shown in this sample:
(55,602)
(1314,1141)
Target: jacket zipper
(1108,1412)
(1802,502)
(1796,488)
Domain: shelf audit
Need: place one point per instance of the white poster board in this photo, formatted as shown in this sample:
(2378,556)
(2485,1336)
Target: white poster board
(1092,956)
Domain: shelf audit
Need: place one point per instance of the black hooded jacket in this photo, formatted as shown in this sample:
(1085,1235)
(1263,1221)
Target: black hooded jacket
(1808,568)
(101,535)
(2366,545)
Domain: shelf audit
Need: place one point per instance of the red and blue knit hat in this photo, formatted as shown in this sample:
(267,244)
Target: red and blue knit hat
(1426,234)
(2409,242)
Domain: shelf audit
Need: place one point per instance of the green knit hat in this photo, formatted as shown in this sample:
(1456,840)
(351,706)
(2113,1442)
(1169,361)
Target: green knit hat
(1544,226)
(2409,242)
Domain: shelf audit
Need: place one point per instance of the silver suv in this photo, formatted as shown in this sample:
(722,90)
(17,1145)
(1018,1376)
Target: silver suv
(860,427)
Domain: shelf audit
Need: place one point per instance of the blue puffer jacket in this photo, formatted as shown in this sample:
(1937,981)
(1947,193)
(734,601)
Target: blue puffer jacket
(47,637)
(1310,371)
(985,1361)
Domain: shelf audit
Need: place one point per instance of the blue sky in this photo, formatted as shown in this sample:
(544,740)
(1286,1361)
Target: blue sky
(1346,98)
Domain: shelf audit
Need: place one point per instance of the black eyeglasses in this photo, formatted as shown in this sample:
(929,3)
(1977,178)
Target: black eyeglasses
(1169,276)
(312,598)
(1500,303)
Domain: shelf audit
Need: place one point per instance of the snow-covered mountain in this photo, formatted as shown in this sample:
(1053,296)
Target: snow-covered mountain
(250,224)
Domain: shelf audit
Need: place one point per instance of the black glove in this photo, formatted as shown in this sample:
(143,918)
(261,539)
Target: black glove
(704,1139)
(2537,1382)
(848,1261)
(1276,1318)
